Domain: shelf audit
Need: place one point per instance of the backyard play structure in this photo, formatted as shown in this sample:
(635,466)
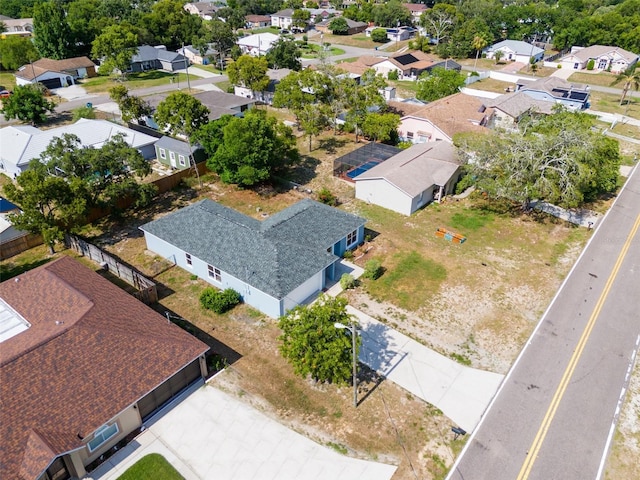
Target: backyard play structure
(451,236)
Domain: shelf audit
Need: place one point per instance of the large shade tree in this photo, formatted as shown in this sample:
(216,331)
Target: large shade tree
(558,159)
(51,33)
(116,46)
(250,150)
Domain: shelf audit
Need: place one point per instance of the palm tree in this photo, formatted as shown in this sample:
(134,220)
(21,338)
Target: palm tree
(478,43)
(498,55)
(631,79)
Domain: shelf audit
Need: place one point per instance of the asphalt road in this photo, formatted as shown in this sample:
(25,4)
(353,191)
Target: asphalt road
(555,413)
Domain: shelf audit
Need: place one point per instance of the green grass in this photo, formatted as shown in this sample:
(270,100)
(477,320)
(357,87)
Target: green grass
(151,467)
(7,80)
(471,220)
(603,79)
(24,262)
(407,281)
(311,51)
(134,80)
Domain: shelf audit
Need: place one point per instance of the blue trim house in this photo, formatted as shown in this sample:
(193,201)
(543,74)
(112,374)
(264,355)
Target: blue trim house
(274,264)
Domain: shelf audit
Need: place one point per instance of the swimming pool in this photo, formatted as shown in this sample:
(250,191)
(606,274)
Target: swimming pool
(362,168)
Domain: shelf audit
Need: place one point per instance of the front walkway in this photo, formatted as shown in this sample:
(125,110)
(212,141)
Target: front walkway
(462,393)
(211,435)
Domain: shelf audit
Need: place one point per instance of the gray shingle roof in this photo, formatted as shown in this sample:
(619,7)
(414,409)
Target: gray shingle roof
(517,103)
(275,255)
(175,145)
(517,46)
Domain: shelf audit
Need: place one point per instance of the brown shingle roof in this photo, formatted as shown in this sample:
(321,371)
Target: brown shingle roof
(58,381)
(453,114)
(49,65)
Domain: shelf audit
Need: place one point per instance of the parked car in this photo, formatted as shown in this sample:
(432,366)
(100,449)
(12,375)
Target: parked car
(5,93)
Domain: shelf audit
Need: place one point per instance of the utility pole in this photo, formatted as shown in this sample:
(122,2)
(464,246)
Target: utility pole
(186,67)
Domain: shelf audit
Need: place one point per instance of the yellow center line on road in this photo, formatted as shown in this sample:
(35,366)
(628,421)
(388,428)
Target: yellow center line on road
(566,377)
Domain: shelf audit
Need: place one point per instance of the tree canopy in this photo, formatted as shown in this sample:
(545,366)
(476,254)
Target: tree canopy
(51,32)
(284,54)
(249,150)
(132,108)
(557,158)
(312,343)
(181,114)
(16,51)
(28,104)
(57,190)
(249,72)
(439,83)
(116,45)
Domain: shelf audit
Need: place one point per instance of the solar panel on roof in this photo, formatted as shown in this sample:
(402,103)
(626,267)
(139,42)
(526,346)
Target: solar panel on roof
(406,59)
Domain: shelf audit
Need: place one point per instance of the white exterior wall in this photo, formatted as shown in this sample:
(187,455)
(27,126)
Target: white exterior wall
(415,124)
(44,76)
(304,291)
(383,68)
(250,295)
(281,22)
(382,193)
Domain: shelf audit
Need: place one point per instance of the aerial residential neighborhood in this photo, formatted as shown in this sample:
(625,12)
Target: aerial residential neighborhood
(319,240)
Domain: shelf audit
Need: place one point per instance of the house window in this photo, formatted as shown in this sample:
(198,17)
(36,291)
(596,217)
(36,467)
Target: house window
(352,238)
(214,273)
(182,160)
(163,153)
(410,135)
(187,256)
(172,156)
(103,434)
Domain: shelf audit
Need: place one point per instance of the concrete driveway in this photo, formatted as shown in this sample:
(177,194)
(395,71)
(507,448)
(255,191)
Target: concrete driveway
(211,435)
(462,393)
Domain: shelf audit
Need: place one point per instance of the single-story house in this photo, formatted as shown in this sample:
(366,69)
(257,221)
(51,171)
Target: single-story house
(83,364)
(266,96)
(614,59)
(410,65)
(394,34)
(282,19)
(515,51)
(23,27)
(412,178)
(175,153)
(22,143)
(257,21)
(157,58)
(56,73)
(194,55)
(416,9)
(205,10)
(509,108)
(258,44)
(354,26)
(442,119)
(321,14)
(553,89)
(274,264)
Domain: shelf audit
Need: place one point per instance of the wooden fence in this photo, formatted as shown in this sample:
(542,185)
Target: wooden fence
(146,290)
(19,245)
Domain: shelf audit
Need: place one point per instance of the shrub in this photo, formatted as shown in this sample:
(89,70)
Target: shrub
(559,66)
(393,75)
(590,64)
(347,282)
(379,35)
(372,269)
(348,255)
(325,196)
(83,112)
(219,301)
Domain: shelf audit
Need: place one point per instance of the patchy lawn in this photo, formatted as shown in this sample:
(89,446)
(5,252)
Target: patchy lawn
(152,78)
(610,103)
(312,50)
(603,79)
(360,40)
(7,80)
(151,467)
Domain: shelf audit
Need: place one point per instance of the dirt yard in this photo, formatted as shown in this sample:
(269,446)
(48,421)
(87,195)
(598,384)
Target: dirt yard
(479,308)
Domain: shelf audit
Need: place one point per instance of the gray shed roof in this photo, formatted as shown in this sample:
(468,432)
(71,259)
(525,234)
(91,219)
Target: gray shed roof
(175,145)
(275,256)
(417,168)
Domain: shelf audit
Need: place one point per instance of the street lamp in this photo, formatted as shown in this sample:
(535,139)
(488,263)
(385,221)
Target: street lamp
(354,334)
